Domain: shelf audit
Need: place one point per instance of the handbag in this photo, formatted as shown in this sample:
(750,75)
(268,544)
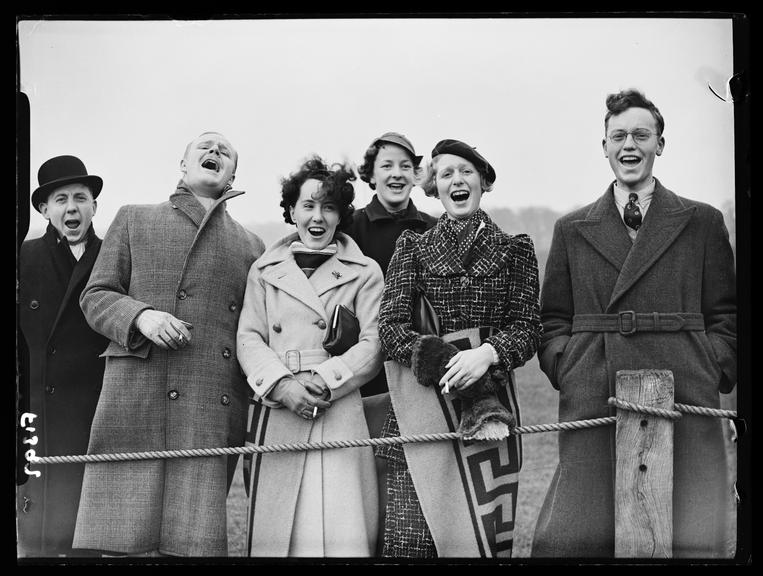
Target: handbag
(343,332)
(425,320)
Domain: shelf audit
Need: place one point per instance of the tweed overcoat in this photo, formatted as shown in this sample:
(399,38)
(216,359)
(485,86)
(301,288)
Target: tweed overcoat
(178,258)
(311,503)
(681,261)
(62,376)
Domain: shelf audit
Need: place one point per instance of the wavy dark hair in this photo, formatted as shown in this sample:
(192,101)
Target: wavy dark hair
(366,170)
(620,102)
(336,184)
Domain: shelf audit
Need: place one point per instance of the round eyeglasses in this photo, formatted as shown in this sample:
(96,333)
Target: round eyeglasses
(640,136)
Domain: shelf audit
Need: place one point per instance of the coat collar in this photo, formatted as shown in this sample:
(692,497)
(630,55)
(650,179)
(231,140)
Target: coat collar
(664,221)
(489,246)
(184,200)
(80,273)
(603,228)
(376,211)
(280,270)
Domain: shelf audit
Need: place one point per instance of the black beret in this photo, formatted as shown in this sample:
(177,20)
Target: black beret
(458,148)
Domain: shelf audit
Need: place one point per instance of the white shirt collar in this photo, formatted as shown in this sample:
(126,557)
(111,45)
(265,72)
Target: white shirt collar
(644,196)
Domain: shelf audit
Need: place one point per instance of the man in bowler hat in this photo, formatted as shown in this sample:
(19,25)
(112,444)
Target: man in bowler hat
(60,368)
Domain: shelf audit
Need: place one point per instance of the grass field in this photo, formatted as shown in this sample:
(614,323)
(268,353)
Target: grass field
(538,404)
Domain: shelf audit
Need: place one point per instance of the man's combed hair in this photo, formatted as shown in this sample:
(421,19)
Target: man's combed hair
(620,102)
(336,185)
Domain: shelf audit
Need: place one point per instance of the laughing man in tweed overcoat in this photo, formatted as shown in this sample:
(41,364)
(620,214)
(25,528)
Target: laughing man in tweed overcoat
(656,296)
(167,291)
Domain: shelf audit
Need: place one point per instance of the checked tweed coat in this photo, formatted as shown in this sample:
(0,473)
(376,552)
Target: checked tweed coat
(681,261)
(63,373)
(499,288)
(181,259)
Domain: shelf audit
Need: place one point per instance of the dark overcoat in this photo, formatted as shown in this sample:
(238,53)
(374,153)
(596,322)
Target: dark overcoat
(376,231)
(61,380)
(680,262)
(179,258)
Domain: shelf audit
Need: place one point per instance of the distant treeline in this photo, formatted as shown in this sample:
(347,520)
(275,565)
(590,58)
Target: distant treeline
(537,222)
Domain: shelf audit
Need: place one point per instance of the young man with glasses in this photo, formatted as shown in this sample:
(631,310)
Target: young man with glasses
(640,279)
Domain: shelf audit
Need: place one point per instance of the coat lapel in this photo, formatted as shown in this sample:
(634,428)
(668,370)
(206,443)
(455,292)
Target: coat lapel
(665,219)
(438,255)
(81,271)
(604,230)
(288,277)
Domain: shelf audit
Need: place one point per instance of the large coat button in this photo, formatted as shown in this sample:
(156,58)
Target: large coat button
(276,327)
(173,394)
(34,304)
(225,400)
(182,294)
(50,389)
(232,307)
(226,353)
(321,324)
(258,382)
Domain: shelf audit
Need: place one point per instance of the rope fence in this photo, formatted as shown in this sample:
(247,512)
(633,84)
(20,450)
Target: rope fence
(436,437)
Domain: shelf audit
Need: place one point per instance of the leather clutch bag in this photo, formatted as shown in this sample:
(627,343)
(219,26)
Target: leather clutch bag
(343,332)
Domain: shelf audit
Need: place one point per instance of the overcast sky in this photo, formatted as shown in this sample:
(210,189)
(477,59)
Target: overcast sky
(127,96)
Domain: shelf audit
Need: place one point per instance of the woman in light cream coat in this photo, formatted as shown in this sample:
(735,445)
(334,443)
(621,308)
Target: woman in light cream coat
(323,502)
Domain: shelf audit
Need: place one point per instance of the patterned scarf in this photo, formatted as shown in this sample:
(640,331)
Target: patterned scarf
(461,233)
(309,259)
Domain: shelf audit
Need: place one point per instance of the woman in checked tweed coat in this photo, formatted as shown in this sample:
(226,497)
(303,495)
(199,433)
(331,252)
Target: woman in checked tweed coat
(442,502)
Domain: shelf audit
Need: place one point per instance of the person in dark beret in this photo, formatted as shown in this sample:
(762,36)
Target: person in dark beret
(61,371)
(482,284)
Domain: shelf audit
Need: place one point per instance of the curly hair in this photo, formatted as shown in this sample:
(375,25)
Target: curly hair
(366,170)
(620,102)
(335,185)
(430,186)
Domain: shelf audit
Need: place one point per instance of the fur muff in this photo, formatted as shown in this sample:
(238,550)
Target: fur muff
(482,414)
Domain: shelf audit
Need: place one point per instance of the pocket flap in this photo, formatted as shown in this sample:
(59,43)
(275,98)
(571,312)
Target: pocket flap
(116,350)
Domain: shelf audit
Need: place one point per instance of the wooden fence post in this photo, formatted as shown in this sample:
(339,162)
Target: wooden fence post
(644,473)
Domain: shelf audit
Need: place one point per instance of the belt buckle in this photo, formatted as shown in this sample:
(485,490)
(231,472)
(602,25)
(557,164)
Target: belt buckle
(620,316)
(293,354)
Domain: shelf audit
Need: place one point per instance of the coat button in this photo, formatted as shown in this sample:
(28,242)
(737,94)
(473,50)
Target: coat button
(50,389)
(258,382)
(174,207)
(225,400)
(321,324)
(226,353)
(182,294)
(51,350)
(232,307)
(276,328)
(34,304)
(337,376)
(173,394)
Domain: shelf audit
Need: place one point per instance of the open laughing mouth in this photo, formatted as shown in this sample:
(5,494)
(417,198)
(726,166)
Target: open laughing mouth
(460,195)
(72,223)
(316,231)
(396,186)
(211,164)
(630,161)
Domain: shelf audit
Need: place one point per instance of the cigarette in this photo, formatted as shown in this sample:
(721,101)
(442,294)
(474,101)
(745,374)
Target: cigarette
(447,387)
(315,411)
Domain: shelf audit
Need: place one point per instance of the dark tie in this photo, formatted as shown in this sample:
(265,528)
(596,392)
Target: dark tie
(632,213)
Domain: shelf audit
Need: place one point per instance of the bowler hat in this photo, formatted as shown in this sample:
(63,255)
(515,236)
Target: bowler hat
(458,148)
(400,140)
(60,171)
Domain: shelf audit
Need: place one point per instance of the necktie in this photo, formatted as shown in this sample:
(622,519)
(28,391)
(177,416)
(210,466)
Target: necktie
(632,213)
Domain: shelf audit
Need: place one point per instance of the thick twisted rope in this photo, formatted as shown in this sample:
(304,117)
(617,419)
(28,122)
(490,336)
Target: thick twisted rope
(360,442)
(302,446)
